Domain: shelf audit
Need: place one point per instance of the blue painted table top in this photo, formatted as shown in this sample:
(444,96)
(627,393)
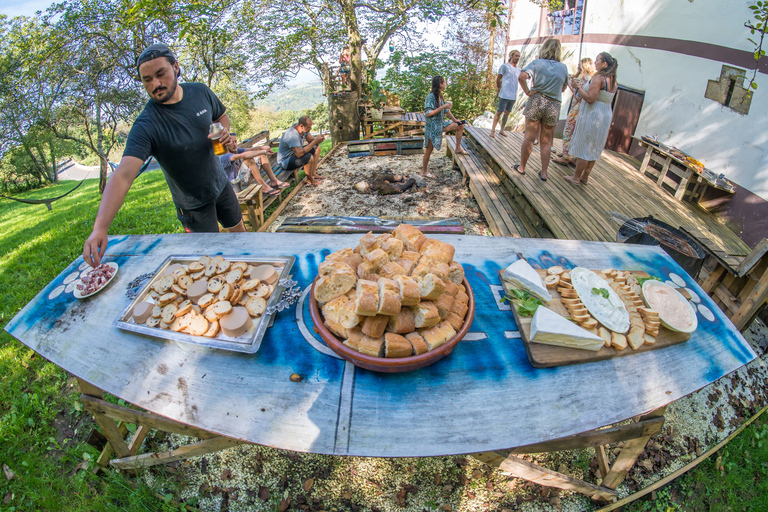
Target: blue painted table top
(484,396)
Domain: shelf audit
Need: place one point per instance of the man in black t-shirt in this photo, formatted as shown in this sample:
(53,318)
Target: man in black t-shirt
(173,127)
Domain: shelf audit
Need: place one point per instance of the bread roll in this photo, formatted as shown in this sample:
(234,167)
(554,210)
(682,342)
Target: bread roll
(437,335)
(365,271)
(397,346)
(347,316)
(444,304)
(418,343)
(393,247)
(375,325)
(438,250)
(389,301)
(336,283)
(368,243)
(330,266)
(354,261)
(407,264)
(372,346)
(336,328)
(425,314)
(451,288)
(388,284)
(402,323)
(459,308)
(392,269)
(456,322)
(431,287)
(456,272)
(462,297)
(367,299)
(408,289)
(377,258)
(440,270)
(408,234)
(353,339)
(332,309)
(340,255)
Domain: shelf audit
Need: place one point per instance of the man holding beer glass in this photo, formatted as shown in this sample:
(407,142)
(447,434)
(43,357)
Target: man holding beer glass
(179,126)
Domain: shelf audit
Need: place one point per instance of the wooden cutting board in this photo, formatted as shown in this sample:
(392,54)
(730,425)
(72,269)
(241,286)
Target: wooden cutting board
(548,356)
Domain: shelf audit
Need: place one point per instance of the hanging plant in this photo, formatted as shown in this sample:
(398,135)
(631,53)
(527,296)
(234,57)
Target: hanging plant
(758,25)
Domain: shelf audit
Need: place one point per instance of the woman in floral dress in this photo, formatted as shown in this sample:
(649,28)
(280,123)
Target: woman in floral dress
(584,73)
(435,108)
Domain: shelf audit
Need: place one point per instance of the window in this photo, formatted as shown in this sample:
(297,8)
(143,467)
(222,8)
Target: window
(729,90)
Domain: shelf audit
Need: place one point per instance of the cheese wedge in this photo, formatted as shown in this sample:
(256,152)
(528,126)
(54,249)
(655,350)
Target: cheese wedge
(550,328)
(522,275)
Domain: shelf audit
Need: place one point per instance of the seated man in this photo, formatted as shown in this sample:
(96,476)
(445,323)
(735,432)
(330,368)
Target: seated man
(241,176)
(292,153)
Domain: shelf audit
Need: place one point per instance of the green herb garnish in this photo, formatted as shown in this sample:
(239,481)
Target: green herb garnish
(641,280)
(600,291)
(526,303)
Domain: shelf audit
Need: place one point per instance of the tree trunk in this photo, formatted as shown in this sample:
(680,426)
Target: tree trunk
(491,54)
(100,150)
(342,116)
(355,46)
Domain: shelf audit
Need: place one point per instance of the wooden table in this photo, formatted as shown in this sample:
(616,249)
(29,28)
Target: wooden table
(680,168)
(484,397)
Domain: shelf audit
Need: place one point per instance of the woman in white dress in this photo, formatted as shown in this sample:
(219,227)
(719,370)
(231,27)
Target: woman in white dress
(594,119)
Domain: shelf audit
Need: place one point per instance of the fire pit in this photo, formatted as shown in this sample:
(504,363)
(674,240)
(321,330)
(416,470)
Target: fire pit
(683,248)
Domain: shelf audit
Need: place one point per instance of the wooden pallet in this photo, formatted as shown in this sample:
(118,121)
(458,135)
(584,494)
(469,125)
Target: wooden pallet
(382,147)
(340,225)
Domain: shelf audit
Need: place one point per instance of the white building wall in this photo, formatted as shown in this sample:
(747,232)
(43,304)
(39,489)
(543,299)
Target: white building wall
(675,107)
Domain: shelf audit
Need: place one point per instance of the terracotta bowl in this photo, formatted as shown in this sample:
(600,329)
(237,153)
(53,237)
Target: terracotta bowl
(390,365)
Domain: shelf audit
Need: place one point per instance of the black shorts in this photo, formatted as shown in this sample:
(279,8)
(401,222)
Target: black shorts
(225,210)
(295,163)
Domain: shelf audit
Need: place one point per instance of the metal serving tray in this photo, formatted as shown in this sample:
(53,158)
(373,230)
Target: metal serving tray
(248,343)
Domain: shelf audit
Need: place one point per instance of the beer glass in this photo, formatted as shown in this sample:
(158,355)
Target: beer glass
(215,131)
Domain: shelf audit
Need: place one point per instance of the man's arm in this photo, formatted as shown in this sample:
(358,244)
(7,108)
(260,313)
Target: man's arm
(301,151)
(498,82)
(114,196)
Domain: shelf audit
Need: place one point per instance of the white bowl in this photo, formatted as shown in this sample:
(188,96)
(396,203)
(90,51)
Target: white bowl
(667,311)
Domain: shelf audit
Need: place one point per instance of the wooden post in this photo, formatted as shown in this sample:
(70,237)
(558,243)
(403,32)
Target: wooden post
(629,454)
(664,169)
(107,425)
(646,159)
(713,279)
(752,303)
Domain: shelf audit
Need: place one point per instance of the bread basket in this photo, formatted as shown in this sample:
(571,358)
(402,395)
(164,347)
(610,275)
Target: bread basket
(390,365)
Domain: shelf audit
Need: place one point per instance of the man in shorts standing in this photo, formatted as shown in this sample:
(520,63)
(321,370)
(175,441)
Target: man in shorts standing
(292,153)
(506,83)
(173,127)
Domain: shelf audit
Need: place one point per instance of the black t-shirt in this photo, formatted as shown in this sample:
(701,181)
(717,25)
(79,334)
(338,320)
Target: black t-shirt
(177,136)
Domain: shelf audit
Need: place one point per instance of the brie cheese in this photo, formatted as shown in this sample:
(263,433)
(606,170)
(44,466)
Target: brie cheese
(522,275)
(550,328)
(610,312)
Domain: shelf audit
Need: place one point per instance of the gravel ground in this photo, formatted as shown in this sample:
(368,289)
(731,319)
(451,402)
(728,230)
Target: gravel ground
(248,478)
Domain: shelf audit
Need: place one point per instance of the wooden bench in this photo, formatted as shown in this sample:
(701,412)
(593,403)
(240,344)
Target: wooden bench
(502,213)
(381,147)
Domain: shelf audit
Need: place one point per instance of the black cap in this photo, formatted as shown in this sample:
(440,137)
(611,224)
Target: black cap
(154,51)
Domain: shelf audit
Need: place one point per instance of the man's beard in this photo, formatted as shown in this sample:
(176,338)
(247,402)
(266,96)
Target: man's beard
(166,94)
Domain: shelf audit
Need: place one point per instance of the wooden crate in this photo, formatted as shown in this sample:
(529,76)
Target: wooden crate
(381,147)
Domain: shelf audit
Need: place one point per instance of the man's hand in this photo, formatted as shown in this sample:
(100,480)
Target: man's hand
(224,138)
(267,150)
(95,247)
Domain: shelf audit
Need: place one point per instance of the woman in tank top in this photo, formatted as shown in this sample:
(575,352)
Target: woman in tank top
(594,119)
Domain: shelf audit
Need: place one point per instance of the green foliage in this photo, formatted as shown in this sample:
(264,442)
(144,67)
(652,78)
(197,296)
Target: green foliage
(527,304)
(377,94)
(758,24)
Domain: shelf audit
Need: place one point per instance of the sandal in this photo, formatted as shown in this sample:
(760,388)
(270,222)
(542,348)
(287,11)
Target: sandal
(273,192)
(516,167)
(282,184)
(560,161)
(541,177)
(429,175)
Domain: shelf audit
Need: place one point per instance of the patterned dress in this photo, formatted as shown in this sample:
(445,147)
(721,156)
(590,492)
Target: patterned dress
(433,127)
(570,123)
(592,127)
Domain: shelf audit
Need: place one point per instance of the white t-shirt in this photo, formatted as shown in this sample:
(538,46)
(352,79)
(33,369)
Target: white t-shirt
(509,75)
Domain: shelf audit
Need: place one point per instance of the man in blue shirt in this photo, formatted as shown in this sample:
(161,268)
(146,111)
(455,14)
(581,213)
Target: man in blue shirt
(243,175)
(292,153)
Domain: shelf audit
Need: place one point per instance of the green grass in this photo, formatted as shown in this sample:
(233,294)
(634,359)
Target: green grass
(734,479)
(42,426)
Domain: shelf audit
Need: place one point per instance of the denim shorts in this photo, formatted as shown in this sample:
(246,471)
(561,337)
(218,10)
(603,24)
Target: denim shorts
(505,105)
(225,210)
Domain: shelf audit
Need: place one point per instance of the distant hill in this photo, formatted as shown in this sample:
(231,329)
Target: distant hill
(297,98)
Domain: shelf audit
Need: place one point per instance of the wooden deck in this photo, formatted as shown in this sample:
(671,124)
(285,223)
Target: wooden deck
(533,208)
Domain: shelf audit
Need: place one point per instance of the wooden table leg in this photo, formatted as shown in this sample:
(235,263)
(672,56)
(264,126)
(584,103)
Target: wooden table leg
(664,169)
(680,192)
(646,160)
(713,279)
(629,454)
(752,303)
(107,425)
